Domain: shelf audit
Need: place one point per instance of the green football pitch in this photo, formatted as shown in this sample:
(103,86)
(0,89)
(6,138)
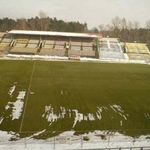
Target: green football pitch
(74,96)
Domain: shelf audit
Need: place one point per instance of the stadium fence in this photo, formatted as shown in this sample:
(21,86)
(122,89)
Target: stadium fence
(109,141)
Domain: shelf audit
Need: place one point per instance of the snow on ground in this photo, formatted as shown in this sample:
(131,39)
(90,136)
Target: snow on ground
(58,58)
(31,93)
(11,90)
(63,92)
(46,57)
(78,117)
(21,95)
(121,123)
(51,116)
(16,107)
(119,110)
(99,111)
(1,119)
(5,136)
(67,140)
(147,115)
(36,134)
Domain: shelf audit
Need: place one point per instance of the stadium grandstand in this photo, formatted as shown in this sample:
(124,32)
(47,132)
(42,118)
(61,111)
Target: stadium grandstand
(50,43)
(82,47)
(5,42)
(24,44)
(137,51)
(71,45)
(110,48)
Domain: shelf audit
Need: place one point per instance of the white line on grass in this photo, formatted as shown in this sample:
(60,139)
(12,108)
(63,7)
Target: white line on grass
(27,96)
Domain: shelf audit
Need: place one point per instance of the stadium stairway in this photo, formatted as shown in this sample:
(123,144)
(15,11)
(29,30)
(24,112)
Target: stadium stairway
(111,55)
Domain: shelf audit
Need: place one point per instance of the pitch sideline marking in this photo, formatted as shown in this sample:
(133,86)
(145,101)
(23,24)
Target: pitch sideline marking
(27,96)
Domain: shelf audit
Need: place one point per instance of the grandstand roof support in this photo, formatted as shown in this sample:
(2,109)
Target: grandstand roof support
(97,44)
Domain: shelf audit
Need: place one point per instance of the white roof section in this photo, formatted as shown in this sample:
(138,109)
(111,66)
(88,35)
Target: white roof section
(50,33)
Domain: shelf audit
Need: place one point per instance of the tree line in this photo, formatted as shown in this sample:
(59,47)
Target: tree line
(41,23)
(126,31)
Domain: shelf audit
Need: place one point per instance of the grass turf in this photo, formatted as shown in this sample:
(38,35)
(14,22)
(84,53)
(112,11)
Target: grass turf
(85,87)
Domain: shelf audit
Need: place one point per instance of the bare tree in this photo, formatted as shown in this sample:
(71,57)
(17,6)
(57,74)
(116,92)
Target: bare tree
(129,25)
(44,21)
(129,28)
(109,30)
(148,24)
(42,14)
(102,28)
(136,26)
(148,31)
(109,27)
(116,23)
(124,23)
(124,33)
(22,24)
(32,24)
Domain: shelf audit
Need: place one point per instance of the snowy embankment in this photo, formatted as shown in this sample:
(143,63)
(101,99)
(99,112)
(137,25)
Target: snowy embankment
(68,140)
(34,57)
(58,58)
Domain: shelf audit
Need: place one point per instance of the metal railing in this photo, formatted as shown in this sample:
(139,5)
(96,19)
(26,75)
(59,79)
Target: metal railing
(109,141)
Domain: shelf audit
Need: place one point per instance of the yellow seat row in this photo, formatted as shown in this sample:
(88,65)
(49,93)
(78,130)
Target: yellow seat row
(142,48)
(131,48)
(22,41)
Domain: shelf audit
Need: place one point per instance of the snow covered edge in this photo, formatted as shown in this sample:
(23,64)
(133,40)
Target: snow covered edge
(64,58)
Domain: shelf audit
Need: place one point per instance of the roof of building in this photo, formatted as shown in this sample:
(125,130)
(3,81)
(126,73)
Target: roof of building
(51,33)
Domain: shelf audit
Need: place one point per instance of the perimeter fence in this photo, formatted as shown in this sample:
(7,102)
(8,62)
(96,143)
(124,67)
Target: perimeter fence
(101,140)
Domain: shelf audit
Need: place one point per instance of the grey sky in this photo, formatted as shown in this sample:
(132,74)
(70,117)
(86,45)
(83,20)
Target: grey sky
(94,12)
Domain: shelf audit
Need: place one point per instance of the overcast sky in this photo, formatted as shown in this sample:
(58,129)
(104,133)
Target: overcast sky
(94,12)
